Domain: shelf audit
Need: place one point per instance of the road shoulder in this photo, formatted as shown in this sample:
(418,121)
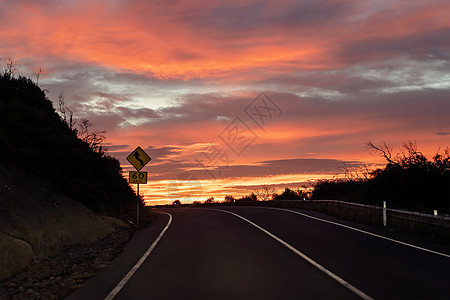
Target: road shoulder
(101,285)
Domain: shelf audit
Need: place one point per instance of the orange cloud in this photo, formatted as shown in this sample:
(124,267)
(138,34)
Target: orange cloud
(171,75)
(185,41)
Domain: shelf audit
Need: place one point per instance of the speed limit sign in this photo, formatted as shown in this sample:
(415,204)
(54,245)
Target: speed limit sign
(137,177)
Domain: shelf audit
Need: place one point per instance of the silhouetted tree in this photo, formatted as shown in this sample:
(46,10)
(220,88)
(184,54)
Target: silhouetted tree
(210,200)
(264,193)
(38,74)
(229,199)
(66,113)
(384,150)
(37,141)
(93,138)
(289,194)
(248,198)
(10,68)
(409,181)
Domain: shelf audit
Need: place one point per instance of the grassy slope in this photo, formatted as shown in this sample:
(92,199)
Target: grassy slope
(54,190)
(36,222)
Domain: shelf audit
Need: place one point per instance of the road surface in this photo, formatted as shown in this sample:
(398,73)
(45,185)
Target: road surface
(267,253)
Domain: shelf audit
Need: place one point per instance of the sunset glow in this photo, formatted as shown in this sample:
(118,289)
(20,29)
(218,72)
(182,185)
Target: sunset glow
(227,96)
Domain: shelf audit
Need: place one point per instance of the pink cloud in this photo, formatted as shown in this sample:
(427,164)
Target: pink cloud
(171,75)
(202,40)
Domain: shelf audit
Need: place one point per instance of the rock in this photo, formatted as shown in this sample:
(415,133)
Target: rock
(17,255)
(57,276)
(87,274)
(10,284)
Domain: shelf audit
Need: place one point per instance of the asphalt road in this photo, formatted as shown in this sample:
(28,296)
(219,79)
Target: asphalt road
(264,253)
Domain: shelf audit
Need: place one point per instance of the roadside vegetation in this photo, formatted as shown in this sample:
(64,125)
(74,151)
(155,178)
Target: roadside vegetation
(59,190)
(52,148)
(408,181)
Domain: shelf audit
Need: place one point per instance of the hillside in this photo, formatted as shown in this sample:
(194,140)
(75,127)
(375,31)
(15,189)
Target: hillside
(35,140)
(54,189)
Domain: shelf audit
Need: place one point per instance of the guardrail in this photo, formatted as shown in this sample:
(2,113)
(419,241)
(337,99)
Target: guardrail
(444,217)
(432,227)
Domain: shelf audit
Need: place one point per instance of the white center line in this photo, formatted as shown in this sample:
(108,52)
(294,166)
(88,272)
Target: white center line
(315,264)
(127,277)
(362,231)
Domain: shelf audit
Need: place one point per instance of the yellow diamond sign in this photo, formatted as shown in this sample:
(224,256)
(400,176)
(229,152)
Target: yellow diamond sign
(138,158)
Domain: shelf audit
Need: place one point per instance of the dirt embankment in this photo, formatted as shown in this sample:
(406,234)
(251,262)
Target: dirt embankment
(36,223)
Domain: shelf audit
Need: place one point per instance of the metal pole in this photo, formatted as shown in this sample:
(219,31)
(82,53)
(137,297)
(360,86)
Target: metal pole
(384,214)
(137,206)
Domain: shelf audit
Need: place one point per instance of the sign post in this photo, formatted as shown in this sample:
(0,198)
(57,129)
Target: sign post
(138,158)
(137,206)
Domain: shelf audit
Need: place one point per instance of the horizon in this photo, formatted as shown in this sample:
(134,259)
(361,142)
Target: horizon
(227,97)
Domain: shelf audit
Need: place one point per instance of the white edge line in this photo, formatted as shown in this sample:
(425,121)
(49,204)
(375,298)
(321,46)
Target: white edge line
(127,277)
(362,231)
(315,264)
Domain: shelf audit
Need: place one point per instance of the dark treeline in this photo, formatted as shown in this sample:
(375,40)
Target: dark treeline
(289,194)
(37,142)
(408,181)
(264,194)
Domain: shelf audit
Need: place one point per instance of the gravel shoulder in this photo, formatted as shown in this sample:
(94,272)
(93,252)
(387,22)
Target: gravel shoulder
(57,276)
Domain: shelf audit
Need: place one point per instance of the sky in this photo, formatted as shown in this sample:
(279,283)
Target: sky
(229,96)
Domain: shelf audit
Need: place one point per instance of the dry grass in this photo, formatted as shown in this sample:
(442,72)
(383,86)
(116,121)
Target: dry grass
(34,218)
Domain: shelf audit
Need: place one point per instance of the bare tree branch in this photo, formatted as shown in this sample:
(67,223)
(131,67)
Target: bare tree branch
(38,74)
(383,150)
(264,193)
(11,67)
(66,113)
(93,138)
